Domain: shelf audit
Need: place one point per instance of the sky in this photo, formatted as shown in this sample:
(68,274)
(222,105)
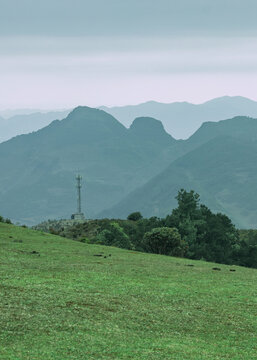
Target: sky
(63,53)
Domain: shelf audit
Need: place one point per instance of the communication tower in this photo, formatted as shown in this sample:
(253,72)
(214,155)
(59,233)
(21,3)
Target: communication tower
(79,214)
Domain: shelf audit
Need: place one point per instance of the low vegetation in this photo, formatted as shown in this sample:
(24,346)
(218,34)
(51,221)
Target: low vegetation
(191,230)
(62,299)
(3,220)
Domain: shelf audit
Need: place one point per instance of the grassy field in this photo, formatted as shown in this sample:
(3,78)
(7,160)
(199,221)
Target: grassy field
(59,301)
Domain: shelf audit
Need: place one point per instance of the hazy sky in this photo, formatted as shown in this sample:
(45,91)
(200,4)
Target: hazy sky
(62,53)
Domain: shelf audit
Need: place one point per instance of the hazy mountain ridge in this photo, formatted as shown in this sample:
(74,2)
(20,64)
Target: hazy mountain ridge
(38,169)
(27,123)
(221,168)
(182,119)
(140,168)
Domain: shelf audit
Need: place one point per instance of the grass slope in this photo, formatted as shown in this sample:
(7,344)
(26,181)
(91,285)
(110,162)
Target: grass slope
(69,304)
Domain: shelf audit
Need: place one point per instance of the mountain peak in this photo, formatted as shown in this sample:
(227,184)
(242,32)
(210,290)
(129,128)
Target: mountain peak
(150,128)
(98,119)
(241,127)
(237,100)
(142,121)
(84,111)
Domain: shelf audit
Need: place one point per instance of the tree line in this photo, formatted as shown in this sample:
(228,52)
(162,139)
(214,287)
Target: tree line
(192,230)
(3,220)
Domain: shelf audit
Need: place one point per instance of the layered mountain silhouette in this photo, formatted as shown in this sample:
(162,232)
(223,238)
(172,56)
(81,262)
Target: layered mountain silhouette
(182,119)
(38,169)
(219,162)
(140,168)
(27,123)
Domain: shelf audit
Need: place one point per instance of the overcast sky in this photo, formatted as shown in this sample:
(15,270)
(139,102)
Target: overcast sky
(62,53)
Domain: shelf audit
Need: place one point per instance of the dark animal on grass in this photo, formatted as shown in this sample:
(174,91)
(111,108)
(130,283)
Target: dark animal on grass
(35,252)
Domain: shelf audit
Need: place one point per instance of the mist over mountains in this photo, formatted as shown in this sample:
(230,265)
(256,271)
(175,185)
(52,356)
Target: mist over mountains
(182,119)
(219,163)
(38,169)
(26,123)
(140,168)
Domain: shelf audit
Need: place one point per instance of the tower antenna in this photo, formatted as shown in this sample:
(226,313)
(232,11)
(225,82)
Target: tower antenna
(79,178)
(79,214)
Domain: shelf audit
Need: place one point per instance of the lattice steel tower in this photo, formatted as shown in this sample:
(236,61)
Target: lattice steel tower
(79,178)
(79,214)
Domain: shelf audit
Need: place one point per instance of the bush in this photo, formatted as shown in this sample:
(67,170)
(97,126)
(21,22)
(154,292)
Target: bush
(85,240)
(114,235)
(165,241)
(135,216)
(53,231)
(3,220)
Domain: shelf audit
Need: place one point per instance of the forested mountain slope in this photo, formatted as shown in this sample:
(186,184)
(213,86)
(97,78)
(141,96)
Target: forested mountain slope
(220,164)
(37,179)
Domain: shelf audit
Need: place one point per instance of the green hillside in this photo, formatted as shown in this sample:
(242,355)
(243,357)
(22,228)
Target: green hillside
(219,162)
(59,301)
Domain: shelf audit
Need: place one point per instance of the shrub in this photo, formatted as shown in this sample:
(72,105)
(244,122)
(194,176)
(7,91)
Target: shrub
(85,240)
(165,241)
(53,231)
(135,216)
(113,236)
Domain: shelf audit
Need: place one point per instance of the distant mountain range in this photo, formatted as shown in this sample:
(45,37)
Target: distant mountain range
(37,170)
(219,162)
(27,123)
(182,119)
(140,168)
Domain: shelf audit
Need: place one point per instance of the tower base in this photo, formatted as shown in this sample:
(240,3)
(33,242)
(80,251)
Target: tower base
(78,216)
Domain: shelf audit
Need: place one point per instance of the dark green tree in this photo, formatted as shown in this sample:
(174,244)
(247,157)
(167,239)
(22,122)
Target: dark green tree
(135,216)
(114,235)
(186,216)
(207,235)
(164,240)
(216,238)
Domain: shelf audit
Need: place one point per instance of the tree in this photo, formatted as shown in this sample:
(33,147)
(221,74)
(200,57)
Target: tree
(186,216)
(164,240)
(188,204)
(208,236)
(135,216)
(136,229)
(216,238)
(3,220)
(114,235)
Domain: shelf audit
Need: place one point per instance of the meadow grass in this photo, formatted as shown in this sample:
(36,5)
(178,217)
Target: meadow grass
(59,301)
